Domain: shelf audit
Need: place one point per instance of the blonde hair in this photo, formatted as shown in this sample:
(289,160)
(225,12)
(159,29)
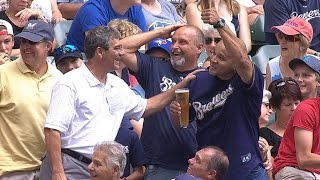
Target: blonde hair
(304,44)
(233,6)
(125,27)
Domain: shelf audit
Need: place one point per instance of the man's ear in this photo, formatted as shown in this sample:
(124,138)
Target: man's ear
(116,170)
(212,174)
(50,47)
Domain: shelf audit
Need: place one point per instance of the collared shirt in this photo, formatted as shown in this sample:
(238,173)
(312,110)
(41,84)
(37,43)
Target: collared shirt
(24,100)
(87,111)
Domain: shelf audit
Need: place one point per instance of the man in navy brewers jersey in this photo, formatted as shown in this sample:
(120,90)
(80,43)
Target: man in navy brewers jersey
(226,101)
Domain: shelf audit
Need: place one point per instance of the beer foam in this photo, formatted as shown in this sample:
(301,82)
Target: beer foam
(181,90)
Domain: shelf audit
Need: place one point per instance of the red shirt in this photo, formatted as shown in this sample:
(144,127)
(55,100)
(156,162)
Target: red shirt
(307,117)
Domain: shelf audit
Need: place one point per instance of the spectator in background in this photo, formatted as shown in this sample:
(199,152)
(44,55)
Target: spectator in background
(298,156)
(159,48)
(25,88)
(108,161)
(278,12)
(6,41)
(265,109)
(307,74)
(294,37)
(233,15)
(69,8)
(211,39)
(209,163)
(253,9)
(167,148)
(17,14)
(286,96)
(101,13)
(67,58)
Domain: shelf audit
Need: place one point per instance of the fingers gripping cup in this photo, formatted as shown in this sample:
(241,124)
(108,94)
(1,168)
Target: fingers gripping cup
(182,97)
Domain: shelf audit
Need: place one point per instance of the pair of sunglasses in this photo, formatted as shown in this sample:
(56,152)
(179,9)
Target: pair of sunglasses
(209,40)
(282,83)
(289,38)
(65,49)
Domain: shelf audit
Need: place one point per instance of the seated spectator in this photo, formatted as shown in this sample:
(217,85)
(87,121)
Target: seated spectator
(49,8)
(278,12)
(17,15)
(101,13)
(294,37)
(265,109)
(26,85)
(211,39)
(108,161)
(307,74)
(69,8)
(6,41)
(253,9)
(67,58)
(209,163)
(159,48)
(285,98)
(230,12)
(298,156)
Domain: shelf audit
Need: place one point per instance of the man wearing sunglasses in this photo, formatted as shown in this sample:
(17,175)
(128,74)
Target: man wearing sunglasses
(25,89)
(226,104)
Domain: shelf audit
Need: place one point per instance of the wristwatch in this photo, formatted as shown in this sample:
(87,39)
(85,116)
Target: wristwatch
(220,24)
(317,54)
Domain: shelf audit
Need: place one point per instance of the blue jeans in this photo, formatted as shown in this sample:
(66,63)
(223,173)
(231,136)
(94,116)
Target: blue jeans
(258,173)
(155,172)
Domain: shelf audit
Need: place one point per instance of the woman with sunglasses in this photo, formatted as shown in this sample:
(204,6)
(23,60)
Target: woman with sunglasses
(286,96)
(211,39)
(294,38)
(233,15)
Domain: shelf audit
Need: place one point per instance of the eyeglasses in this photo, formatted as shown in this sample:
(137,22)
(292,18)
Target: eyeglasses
(209,40)
(64,49)
(30,42)
(288,38)
(282,83)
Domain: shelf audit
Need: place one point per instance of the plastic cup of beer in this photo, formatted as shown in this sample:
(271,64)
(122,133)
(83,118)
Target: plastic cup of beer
(182,97)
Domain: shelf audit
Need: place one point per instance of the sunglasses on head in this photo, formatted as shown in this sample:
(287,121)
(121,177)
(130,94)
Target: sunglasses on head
(289,38)
(209,40)
(282,83)
(64,49)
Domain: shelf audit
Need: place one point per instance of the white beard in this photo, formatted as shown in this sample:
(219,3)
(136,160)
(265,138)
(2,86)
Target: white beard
(178,63)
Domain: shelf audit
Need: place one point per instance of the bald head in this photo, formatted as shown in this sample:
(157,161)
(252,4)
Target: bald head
(195,32)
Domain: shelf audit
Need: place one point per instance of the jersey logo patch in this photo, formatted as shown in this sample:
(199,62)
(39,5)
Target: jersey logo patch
(246,158)
(166,84)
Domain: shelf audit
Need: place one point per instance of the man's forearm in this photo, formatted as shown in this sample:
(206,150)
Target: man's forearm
(53,144)
(69,10)
(137,173)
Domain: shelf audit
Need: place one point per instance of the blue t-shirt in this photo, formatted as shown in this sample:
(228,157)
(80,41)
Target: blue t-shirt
(164,144)
(99,13)
(132,147)
(227,113)
(278,12)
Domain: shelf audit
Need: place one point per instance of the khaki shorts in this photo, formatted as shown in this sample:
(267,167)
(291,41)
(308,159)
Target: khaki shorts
(291,173)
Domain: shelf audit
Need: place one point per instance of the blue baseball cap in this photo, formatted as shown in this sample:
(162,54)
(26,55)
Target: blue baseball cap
(163,44)
(311,61)
(36,31)
(66,51)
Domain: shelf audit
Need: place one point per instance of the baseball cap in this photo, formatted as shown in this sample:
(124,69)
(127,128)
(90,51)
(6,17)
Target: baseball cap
(36,31)
(66,51)
(9,29)
(295,26)
(163,44)
(311,61)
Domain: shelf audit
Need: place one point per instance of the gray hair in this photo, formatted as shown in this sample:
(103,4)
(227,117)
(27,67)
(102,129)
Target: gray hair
(218,162)
(100,36)
(115,155)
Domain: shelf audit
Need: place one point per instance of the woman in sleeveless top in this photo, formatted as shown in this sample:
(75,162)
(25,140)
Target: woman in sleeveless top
(235,16)
(294,38)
